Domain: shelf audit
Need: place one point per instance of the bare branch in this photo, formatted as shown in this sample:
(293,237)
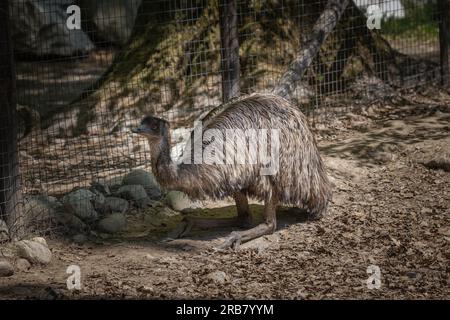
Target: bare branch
(322,28)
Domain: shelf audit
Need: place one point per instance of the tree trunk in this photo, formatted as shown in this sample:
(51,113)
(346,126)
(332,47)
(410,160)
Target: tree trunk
(208,69)
(229,49)
(444,39)
(10,196)
(322,28)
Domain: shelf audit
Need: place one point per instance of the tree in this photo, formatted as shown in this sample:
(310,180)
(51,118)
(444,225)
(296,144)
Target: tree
(10,196)
(171,65)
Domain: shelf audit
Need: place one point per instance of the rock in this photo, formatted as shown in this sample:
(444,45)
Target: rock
(134,193)
(79,238)
(40,240)
(101,187)
(23,265)
(112,19)
(71,222)
(51,200)
(178,200)
(39,27)
(80,202)
(115,204)
(145,179)
(113,183)
(113,223)
(98,201)
(6,269)
(40,210)
(219,277)
(35,250)
(4,231)
(145,289)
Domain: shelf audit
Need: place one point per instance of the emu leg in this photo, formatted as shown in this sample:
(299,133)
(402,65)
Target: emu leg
(243,210)
(242,219)
(268,227)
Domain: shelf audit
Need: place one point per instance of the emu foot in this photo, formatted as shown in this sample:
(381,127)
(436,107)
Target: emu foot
(237,237)
(233,241)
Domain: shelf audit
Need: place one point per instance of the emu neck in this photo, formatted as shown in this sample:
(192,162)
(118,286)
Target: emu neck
(163,167)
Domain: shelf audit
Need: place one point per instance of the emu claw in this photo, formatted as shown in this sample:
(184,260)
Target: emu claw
(233,241)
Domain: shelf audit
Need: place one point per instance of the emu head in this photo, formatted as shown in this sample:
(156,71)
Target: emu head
(154,129)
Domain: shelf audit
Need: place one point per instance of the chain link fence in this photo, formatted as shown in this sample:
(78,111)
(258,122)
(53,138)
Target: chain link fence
(84,72)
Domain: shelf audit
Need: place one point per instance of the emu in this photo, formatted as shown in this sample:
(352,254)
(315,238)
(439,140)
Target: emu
(300,179)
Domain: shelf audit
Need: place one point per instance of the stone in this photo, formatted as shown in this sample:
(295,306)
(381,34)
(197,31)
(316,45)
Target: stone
(35,250)
(99,200)
(6,268)
(219,277)
(113,183)
(115,204)
(71,222)
(4,231)
(39,27)
(134,193)
(80,203)
(113,223)
(39,210)
(145,179)
(178,200)
(101,187)
(23,264)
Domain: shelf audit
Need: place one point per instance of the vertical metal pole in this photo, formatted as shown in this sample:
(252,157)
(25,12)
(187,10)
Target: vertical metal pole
(444,39)
(10,196)
(229,49)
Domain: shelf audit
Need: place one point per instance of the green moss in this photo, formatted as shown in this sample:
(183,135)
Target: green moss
(421,20)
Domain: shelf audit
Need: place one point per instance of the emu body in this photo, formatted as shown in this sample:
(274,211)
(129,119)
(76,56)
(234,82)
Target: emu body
(300,179)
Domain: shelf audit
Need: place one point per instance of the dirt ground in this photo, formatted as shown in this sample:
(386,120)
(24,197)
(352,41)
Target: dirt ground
(391,209)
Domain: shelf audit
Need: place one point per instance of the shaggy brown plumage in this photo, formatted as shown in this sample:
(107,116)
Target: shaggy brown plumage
(300,180)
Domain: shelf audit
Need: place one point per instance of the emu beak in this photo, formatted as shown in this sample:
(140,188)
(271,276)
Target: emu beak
(138,130)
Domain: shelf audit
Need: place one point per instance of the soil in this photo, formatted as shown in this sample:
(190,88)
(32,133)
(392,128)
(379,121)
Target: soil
(389,210)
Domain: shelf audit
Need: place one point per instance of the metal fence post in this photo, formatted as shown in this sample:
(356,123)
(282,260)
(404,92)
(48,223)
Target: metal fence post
(444,40)
(229,49)
(10,194)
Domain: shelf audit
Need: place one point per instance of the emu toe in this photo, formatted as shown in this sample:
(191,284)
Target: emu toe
(233,241)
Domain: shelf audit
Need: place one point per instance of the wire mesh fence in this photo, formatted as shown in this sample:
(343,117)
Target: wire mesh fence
(87,71)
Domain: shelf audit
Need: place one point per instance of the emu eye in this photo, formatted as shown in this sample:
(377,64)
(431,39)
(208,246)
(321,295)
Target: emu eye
(154,127)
